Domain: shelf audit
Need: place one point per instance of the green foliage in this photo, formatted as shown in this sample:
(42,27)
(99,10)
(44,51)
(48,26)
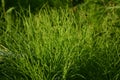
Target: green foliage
(58,3)
(58,44)
(35,5)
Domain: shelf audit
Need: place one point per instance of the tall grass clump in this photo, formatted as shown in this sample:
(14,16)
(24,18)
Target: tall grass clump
(62,45)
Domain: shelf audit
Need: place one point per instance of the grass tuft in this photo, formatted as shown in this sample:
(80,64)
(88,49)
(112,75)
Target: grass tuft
(61,45)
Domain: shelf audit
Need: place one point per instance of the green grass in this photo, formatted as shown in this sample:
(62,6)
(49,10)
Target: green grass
(61,45)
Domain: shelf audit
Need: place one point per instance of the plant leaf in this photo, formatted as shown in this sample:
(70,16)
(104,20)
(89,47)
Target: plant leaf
(10,10)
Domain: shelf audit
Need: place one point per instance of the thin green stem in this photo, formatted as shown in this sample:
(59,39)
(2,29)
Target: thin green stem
(3,6)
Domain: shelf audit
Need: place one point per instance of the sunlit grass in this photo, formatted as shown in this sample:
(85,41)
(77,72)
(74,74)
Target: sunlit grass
(62,45)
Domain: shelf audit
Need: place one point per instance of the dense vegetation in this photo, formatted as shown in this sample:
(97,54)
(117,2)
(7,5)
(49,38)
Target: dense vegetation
(69,41)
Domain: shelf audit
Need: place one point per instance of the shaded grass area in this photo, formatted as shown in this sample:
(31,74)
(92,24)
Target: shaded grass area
(61,45)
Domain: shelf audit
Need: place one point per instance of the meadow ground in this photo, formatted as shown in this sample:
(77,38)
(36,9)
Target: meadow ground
(61,45)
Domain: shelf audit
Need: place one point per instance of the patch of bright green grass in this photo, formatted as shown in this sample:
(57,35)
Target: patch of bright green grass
(62,45)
